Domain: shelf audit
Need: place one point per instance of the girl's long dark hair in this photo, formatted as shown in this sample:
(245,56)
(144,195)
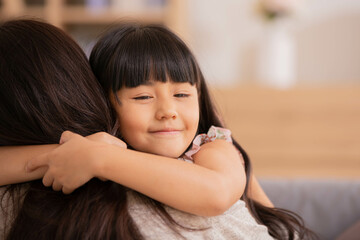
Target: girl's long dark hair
(46,87)
(133,54)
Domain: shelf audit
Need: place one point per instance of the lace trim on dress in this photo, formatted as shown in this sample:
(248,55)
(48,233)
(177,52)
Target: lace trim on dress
(213,133)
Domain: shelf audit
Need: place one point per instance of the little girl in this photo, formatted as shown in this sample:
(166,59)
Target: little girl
(162,102)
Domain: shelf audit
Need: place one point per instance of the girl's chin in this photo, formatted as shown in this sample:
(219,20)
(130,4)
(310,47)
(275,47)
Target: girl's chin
(169,153)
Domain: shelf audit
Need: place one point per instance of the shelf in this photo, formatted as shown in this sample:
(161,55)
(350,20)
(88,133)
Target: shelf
(81,15)
(172,13)
(59,13)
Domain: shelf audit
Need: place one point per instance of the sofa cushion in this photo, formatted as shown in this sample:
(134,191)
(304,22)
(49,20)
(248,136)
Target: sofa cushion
(328,206)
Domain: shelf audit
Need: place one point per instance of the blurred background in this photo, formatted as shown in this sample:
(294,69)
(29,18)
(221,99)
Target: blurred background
(285,74)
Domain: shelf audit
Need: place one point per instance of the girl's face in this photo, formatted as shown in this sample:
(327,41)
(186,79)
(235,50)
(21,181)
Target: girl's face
(159,118)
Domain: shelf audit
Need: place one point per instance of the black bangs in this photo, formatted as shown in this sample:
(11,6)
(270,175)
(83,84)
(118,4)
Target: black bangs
(141,54)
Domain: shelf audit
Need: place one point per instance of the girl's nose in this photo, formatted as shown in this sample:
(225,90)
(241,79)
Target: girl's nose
(166,110)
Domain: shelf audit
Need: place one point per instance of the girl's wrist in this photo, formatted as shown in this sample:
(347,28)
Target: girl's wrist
(99,159)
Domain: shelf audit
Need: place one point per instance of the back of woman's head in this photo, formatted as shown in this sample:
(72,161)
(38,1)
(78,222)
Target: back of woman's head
(46,86)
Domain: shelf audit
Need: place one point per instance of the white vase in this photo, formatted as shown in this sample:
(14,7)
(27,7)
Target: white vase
(276,57)
(97,6)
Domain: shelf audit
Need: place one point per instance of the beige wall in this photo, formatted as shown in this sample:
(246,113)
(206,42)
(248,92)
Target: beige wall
(226,38)
(300,132)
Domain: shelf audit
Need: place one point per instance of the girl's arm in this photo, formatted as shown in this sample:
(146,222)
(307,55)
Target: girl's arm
(13,160)
(208,187)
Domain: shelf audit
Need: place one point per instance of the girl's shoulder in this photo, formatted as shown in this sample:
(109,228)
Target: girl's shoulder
(213,134)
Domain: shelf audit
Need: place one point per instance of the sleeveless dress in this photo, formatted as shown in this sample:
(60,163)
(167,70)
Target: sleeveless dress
(236,223)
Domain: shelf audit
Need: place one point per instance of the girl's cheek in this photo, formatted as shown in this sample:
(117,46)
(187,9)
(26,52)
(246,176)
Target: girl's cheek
(194,115)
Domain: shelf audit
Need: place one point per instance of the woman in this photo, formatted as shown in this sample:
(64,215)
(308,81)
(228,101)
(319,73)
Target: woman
(47,87)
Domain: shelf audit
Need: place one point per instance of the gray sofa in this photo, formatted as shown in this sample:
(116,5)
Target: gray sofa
(328,206)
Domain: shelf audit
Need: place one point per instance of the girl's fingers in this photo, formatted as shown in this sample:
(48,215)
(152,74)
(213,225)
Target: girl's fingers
(56,186)
(66,190)
(103,179)
(107,138)
(39,161)
(66,136)
(48,180)
(119,143)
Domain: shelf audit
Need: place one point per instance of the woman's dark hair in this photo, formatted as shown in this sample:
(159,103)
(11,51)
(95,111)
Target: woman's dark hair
(133,54)
(47,87)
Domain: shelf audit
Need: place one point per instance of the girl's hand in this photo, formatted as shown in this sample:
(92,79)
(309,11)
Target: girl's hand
(104,138)
(72,164)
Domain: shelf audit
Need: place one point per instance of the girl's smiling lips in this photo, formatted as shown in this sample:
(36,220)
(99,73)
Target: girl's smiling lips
(165,131)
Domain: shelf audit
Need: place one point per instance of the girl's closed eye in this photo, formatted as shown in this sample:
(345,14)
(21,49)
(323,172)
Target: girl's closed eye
(145,97)
(182,95)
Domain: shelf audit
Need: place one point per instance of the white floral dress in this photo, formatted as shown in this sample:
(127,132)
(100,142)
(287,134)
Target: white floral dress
(236,223)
